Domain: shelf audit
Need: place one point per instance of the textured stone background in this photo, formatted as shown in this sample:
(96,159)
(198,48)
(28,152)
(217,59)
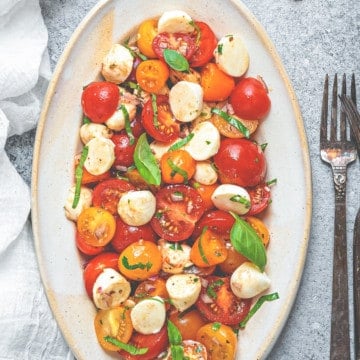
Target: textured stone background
(312,38)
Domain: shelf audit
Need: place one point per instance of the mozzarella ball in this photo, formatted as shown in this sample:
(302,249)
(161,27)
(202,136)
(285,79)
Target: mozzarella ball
(205,173)
(92,130)
(100,157)
(85,201)
(116,121)
(175,21)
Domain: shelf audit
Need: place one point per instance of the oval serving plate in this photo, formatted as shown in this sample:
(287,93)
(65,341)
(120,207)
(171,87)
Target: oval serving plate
(57,141)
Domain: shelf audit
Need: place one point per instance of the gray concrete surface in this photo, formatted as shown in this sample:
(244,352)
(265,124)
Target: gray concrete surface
(312,38)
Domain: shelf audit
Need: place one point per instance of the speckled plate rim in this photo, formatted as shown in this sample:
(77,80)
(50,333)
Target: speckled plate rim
(293,286)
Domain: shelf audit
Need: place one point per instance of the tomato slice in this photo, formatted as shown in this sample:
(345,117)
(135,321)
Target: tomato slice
(218,303)
(178,208)
(182,43)
(260,198)
(164,127)
(107,193)
(85,248)
(156,343)
(124,151)
(206,46)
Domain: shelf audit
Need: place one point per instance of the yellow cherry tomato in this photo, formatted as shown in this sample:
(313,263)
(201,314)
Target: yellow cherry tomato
(146,33)
(260,228)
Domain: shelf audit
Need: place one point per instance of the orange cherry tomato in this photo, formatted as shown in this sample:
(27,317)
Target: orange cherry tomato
(85,248)
(96,225)
(140,260)
(260,229)
(177,167)
(208,249)
(152,75)
(220,341)
(146,34)
(205,192)
(188,323)
(216,84)
(150,288)
(114,322)
(233,260)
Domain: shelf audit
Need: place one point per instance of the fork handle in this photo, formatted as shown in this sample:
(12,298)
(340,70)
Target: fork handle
(340,338)
(356,283)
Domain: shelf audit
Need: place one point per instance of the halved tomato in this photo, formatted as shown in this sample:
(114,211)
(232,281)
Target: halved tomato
(85,248)
(124,151)
(259,198)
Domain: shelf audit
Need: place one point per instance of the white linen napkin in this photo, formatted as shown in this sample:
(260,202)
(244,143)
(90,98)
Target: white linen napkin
(29,330)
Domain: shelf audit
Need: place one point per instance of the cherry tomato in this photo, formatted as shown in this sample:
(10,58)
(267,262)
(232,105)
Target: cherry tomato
(114,322)
(136,126)
(260,198)
(205,192)
(233,260)
(155,343)
(146,34)
(155,286)
(206,46)
(187,322)
(85,248)
(99,100)
(178,208)
(260,229)
(219,339)
(96,225)
(250,99)
(177,167)
(182,43)
(140,260)
(124,151)
(164,127)
(152,75)
(107,193)
(96,266)
(203,272)
(218,303)
(240,162)
(126,234)
(88,178)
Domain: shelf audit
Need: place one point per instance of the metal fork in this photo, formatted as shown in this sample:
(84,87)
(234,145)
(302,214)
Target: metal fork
(337,149)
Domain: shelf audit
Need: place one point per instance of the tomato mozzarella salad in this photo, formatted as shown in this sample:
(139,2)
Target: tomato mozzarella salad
(167,190)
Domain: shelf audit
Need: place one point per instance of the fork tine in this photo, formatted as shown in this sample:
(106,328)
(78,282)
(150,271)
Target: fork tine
(324,112)
(353,89)
(333,127)
(343,124)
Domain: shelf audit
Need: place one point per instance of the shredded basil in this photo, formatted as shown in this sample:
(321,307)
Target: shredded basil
(145,162)
(271,182)
(181,142)
(175,60)
(263,146)
(139,265)
(155,110)
(216,326)
(241,200)
(127,124)
(198,32)
(175,340)
(256,307)
(219,49)
(135,54)
(232,121)
(86,120)
(78,176)
(177,170)
(201,249)
(210,289)
(176,246)
(131,349)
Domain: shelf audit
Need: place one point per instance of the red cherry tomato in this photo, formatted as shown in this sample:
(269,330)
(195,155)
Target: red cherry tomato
(182,43)
(136,126)
(219,304)
(124,151)
(167,128)
(250,99)
(126,234)
(96,266)
(108,192)
(178,208)
(206,46)
(156,343)
(99,100)
(260,198)
(240,162)
(86,248)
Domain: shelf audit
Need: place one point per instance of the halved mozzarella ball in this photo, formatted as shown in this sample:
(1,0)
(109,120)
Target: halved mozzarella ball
(186,100)
(231,55)
(175,256)
(175,21)
(229,197)
(205,143)
(193,350)
(92,130)
(248,281)
(110,289)
(205,173)
(137,207)
(183,290)
(116,121)
(117,64)
(159,148)
(85,201)
(148,316)
(100,157)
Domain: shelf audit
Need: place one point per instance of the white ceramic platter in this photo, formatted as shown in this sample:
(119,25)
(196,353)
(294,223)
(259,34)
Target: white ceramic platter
(57,141)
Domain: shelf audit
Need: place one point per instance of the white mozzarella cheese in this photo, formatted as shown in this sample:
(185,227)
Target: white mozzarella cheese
(186,100)
(92,130)
(175,256)
(85,201)
(205,143)
(248,281)
(229,197)
(231,55)
(117,64)
(110,289)
(183,290)
(205,173)
(137,207)
(116,121)
(148,316)
(175,21)
(101,155)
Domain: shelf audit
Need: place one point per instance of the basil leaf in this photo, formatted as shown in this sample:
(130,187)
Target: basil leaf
(175,60)
(78,176)
(173,333)
(127,124)
(241,200)
(247,242)
(178,145)
(135,266)
(201,249)
(131,349)
(232,121)
(256,307)
(145,162)
(177,170)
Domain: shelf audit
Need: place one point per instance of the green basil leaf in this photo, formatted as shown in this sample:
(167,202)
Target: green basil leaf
(247,242)
(173,333)
(178,145)
(210,289)
(135,266)
(241,200)
(131,349)
(145,162)
(78,176)
(175,60)
(232,121)
(177,170)
(201,249)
